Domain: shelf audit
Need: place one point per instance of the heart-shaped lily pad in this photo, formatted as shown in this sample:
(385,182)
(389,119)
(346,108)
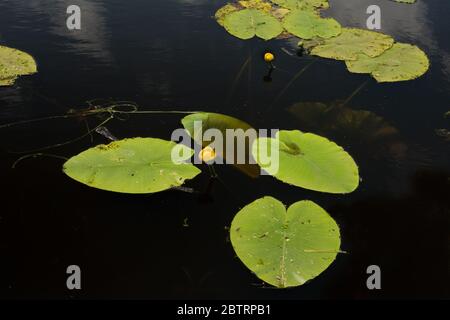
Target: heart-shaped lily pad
(308,25)
(352,42)
(247,23)
(402,62)
(285,248)
(137,165)
(307,160)
(224,11)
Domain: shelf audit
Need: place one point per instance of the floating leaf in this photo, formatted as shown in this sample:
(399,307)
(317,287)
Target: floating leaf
(402,62)
(302,4)
(247,23)
(222,123)
(256,4)
(285,248)
(308,25)
(352,42)
(309,161)
(138,165)
(224,11)
(14,63)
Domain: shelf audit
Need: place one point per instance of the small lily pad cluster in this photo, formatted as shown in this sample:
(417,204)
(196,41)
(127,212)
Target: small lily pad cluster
(283,247)
(14,63)
(363,51)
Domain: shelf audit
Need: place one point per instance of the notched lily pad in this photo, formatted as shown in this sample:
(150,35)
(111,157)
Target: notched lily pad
(247,23)
(14,63)
(352,42)
(309,161)
(137,165)
(285,248)
(402,62)
(224,11)
(308,25)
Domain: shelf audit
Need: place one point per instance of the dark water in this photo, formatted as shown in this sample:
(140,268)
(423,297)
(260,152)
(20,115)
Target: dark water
(171,55)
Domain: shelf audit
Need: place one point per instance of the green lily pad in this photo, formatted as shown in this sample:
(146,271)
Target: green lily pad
(14,63)
(222,123)
(285,248)
(309,161)
(302,4)
(224,11)
(352,42)
(256,4)
(402,62)
(137,165)
(247,23)
(308,25)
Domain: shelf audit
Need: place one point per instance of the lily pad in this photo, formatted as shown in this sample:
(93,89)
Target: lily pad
(137,165)
(309,161)
(402,62)
(302,4)
(285,248)
(222,123)
(224,11)
(308,25)
(352,42)
(247,23)
(14,63)
(256,4)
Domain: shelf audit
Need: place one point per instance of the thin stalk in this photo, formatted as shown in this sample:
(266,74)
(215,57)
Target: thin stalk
(35,155)
(291,82)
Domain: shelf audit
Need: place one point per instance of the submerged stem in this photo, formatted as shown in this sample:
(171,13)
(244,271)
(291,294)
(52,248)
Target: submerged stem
(354,93)
(291,82)
(35,155)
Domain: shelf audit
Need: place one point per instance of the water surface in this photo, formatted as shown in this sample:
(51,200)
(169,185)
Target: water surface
(172,55)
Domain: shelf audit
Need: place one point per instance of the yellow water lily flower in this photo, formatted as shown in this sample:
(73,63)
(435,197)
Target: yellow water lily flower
(269,57)
(207,154)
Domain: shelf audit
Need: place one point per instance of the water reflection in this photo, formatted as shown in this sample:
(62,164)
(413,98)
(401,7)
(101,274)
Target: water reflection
(93,37)
(370,134)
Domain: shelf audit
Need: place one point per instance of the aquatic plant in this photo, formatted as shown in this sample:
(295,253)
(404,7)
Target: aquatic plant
(307,24)
(309,161)
(362,50)
(247,23)
(351,43)
(137,165)
(399,63)
(14,63)
(285,248)
(221,123)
